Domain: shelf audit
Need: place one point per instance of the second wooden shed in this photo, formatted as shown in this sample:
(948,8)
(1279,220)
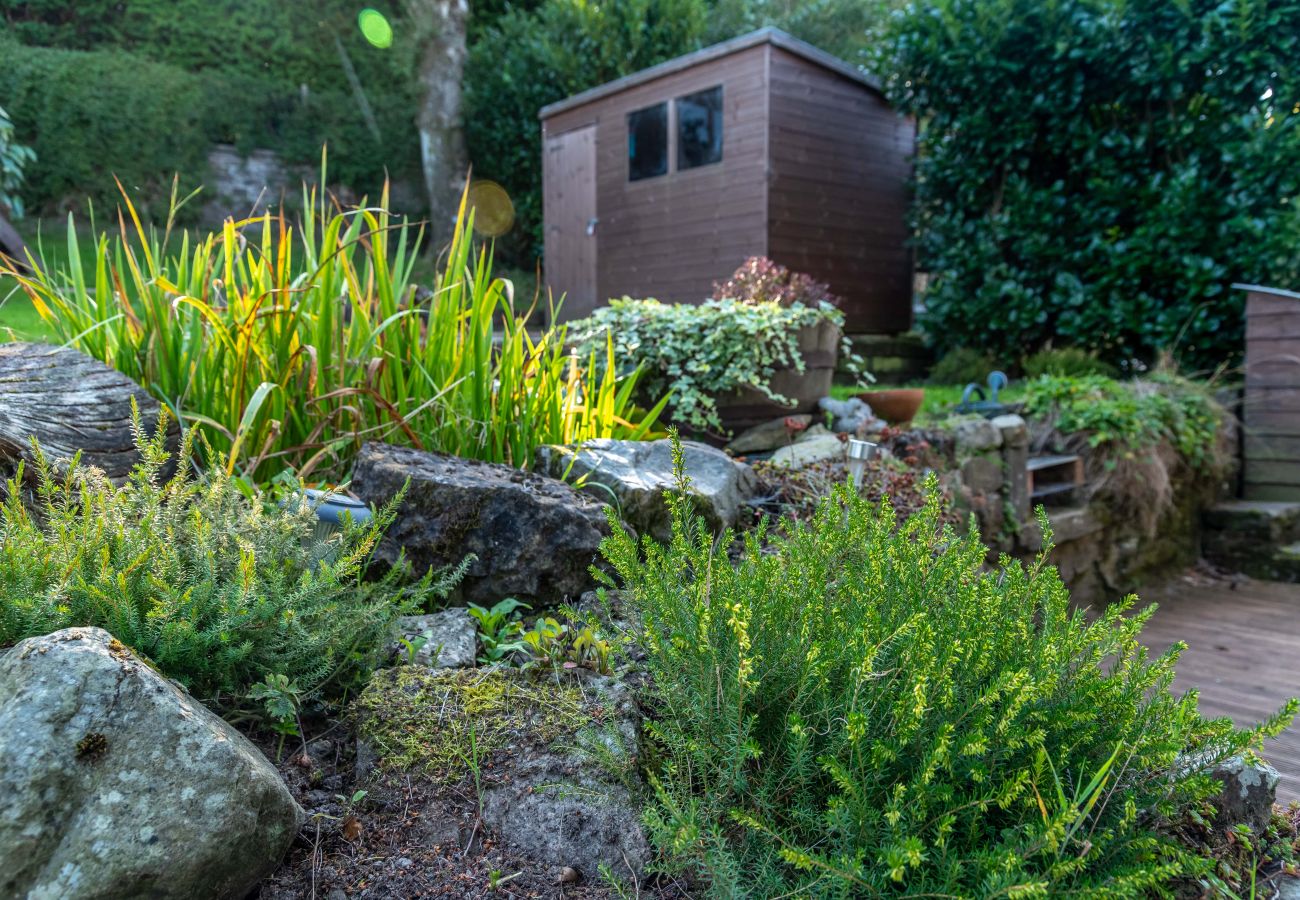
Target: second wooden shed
(663,182)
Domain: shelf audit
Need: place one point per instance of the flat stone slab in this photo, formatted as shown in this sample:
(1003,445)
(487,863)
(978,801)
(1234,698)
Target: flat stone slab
(446,639)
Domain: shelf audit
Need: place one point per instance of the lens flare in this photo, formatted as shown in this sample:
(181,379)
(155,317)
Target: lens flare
(375,28)
(494,213)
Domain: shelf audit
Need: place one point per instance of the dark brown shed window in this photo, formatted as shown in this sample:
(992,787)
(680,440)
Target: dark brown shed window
(647,142)
(699,128)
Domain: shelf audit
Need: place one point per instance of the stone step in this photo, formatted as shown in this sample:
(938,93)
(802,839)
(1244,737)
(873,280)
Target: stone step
(1277,521)
(1259,538)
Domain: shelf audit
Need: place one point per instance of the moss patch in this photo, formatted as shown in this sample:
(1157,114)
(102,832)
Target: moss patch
(426,721)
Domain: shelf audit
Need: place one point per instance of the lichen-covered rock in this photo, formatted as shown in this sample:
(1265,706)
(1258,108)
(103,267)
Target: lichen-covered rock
(770,435)
(1249,790)
(637,473)
(441,640)
(814,449)
(533,537)
(556,757)
(569,805)
(118,784)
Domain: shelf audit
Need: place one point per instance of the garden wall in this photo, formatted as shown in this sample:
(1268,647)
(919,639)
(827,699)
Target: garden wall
(1107,543)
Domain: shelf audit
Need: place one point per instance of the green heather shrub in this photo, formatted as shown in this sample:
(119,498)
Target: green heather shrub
(700,352)
(1066,361)
(858,707)
(1127,417)
(220,592)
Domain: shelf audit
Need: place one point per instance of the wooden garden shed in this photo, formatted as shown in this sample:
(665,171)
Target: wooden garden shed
(663,182)
(1271,401)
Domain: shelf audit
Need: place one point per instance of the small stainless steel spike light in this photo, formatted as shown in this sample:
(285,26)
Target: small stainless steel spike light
(860,452)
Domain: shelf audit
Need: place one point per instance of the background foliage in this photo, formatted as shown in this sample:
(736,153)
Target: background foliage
(1100,172)
(146,86)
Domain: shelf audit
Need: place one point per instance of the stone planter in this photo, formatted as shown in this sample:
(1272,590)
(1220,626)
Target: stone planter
(819,347)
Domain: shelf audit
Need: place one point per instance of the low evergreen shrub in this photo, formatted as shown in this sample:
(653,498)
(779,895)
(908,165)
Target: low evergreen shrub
(217,590)
(962,366)
(1067,361)
(858,707)
(1127,417)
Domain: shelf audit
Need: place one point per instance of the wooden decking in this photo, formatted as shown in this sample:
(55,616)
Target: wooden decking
(1243,654)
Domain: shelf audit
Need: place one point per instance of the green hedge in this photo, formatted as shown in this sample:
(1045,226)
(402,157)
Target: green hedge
(90,116)
(1098,172)
(146,104)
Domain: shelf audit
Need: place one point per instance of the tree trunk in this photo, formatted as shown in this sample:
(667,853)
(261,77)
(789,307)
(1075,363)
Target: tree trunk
(438,120)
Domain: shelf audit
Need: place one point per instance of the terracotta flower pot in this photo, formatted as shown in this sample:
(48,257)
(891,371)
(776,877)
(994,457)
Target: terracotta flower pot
(897,406)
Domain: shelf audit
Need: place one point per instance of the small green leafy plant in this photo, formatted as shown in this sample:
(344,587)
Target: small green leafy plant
(700,352)
(554,643)
(14,158)
(499,628)
(858,706)
(230,595)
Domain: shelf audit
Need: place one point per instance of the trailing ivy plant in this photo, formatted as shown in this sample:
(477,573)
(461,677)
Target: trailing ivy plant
(702,352)
(860,707)
(230,596)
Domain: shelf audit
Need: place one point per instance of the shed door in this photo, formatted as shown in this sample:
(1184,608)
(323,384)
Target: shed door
(569,211)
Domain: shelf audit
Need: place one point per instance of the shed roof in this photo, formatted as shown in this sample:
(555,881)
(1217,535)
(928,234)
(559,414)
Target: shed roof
(1261,289)
(774,36)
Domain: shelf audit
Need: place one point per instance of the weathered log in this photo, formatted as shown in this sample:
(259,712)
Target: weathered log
(70,402)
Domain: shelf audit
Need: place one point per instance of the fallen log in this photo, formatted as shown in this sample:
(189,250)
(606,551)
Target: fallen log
(70,402)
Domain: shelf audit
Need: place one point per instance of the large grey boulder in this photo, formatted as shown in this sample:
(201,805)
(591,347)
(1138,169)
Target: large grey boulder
(118,784)
(635,475)
(533,537)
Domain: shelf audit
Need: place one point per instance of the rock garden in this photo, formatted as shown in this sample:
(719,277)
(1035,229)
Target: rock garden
(643,606)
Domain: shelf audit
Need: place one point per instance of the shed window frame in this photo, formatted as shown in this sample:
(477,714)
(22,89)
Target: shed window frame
(632,135)
(681,163)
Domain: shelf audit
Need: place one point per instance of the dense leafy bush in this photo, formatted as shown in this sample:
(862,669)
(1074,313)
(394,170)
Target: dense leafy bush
(859,707)
(217,590)
(699,353)
(14,157)
(313,341)
(1099,172)
(1127,417)
(1066,361)
(530,58)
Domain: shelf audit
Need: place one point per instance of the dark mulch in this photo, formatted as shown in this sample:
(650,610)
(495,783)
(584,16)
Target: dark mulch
(407,838)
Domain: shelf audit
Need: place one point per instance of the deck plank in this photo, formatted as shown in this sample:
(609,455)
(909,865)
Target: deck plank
(1243,653)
